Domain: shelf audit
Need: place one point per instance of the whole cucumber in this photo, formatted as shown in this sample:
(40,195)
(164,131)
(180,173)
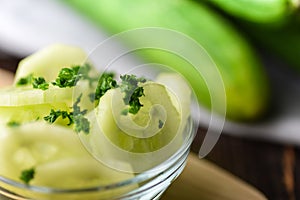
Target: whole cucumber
(246,85)
(259,11)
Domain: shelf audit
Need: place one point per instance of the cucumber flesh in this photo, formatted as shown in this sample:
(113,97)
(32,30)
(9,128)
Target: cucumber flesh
(113,145)
(26,96)
(53,151)
(28,113)
(139,140)
(21,96)
(179,86)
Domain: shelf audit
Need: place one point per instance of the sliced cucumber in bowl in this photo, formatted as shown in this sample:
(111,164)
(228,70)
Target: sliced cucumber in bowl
(53,150)
(115,144)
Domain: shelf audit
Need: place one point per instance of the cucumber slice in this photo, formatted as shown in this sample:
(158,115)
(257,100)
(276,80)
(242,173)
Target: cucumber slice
(21,96)
(27,113)
(142,132)
(86,172)
(49,61)
(113,145)
(53,151)
(35,143)
(179,86)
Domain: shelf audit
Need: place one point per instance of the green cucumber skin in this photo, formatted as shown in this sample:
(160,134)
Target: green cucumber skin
(245,81)
(283,41)
(259,11)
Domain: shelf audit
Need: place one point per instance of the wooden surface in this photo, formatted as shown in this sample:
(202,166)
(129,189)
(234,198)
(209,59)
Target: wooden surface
(271,168)
(201,179)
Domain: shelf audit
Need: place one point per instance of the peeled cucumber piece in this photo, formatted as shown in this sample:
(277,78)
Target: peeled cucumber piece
(139,140)
(179,86)
(56,153)
(20,96)
(139,133)
(28,96)
(245,81)
(29,113)
(49,61)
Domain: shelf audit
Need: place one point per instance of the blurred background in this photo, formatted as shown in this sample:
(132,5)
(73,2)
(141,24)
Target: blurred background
(255,45)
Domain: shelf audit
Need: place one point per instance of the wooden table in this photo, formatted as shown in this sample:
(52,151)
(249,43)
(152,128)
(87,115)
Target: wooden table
(270,167)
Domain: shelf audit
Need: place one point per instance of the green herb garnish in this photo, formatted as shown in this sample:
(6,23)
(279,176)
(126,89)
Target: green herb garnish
(25,80)
(84,72)
(129,86)
(40,83)
(68,77)
(81,123)
(105,83)
(52,117)
(27,175)
(37,83)
(13,124)
(134,101)
(160,124)
(75,117)
(132,92)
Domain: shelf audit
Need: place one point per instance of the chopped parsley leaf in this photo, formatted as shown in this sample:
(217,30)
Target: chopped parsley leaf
(76,107)
(132,92)
(76,117)
(129,86)
(160,124)
(25,80)
(52,117)
(27,175)
(13,124)
(84,71)
(37,83)
(67,77)
(134,101)
(105,83)
(81,124)
(40,83)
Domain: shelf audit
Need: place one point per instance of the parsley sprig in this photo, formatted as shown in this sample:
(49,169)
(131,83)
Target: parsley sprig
(129,86)
(105,83)
(25,80)
(54,115)
(75,117)
(68,77)
(40,83)
(133,92)
(36,82)
(81,123)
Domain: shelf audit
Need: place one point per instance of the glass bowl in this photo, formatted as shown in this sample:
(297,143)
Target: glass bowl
(146,185)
